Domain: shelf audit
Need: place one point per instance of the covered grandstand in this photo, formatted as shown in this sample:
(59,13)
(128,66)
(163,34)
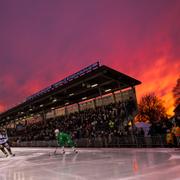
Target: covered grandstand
(92,87)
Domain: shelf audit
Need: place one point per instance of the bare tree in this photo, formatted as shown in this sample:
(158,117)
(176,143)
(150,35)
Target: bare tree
(151,109)
(176,92)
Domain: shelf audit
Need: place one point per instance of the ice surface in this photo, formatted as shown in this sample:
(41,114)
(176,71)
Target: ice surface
(91,164)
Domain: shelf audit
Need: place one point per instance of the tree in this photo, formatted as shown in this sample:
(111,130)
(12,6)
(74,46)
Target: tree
(151,109)
(176,92)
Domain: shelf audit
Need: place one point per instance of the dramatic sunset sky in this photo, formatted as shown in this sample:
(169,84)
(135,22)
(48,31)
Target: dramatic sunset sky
(43,41)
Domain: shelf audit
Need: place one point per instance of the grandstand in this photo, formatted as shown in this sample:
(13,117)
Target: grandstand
(92,92)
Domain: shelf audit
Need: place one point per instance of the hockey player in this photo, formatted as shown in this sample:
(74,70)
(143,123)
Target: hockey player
(4,143)
(64,139)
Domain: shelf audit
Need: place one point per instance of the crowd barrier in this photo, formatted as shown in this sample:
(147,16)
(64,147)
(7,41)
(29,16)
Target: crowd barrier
(128,141)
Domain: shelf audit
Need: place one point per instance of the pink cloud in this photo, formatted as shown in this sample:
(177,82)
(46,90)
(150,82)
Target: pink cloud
(42,43)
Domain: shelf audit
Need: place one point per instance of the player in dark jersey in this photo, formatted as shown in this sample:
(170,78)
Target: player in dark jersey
(4,145)
(64,139)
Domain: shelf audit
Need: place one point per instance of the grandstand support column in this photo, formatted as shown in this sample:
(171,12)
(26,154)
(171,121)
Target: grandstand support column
(94,102)
(133,115)
(43,115)
(100,93)
(134,112)
(114,97)
(66,111)
(127,117)
(136,103)
(14,123)
(119,87)
(78,107)
(54,112)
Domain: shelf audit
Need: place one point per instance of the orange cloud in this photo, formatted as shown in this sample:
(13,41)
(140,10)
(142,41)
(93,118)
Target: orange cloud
(160,79)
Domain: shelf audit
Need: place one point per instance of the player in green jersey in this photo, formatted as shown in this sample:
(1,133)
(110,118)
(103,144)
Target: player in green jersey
(64,139)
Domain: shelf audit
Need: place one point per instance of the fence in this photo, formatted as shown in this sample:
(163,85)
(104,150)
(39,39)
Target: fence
(128,141)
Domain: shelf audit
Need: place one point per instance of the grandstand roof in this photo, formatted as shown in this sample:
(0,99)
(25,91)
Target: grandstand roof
(85,84)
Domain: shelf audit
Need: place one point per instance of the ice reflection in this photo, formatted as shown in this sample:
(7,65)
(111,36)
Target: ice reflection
(88,164)
(13,175)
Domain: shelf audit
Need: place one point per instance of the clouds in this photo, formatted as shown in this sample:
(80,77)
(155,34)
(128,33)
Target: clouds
(42,42)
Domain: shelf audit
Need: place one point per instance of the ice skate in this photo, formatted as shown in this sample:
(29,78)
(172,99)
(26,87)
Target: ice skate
(75,151)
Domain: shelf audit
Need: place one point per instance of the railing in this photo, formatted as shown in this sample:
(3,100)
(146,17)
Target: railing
(128,141)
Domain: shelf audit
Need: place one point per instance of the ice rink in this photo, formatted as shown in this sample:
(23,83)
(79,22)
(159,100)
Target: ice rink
(91,164)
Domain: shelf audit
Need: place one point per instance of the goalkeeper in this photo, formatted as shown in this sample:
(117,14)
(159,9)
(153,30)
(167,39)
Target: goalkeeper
(64,139)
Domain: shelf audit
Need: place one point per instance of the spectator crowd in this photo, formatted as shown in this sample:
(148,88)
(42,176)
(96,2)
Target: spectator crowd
(108,121)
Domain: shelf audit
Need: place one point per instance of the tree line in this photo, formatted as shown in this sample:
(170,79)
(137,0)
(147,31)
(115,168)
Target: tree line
(151,108)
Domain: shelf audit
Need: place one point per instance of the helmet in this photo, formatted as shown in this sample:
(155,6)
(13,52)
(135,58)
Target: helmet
(56,131)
